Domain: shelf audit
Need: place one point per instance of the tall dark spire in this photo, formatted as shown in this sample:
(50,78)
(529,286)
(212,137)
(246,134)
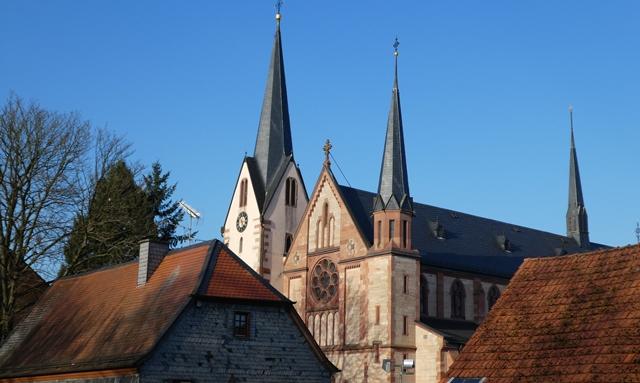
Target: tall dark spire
(393,187)
(577,221)
(273,143)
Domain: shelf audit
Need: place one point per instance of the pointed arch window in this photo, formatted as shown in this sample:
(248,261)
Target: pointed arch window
(291,192)
(492,297)
(243,192)
(457,300)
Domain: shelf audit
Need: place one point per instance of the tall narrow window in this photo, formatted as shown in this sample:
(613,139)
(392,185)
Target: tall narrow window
(288,240)
(405,284)
(243,192)
(405,226)
(492,297)
(457,300)
(290,192)
(392,229)
(240,246)
(405,325)
(377,314)
(379,233)
(424,295)
(376,351)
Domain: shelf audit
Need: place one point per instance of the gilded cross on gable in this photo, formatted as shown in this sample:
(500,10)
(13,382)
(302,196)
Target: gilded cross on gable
(327,152)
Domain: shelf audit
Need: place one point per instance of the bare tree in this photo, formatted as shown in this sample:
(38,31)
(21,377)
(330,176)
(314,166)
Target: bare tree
(42,162)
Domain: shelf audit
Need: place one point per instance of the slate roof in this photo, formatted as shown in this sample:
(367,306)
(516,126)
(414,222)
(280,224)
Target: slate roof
(102,320)
(274,148)
(393,185)
(469,243)
(273,142)
(574,318)
(455,332)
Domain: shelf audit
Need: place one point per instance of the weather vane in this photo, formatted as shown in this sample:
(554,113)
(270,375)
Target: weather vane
(327,151)
(278,6)
(396,44)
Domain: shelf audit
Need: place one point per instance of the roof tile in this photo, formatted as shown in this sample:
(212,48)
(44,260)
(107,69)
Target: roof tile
(574,318)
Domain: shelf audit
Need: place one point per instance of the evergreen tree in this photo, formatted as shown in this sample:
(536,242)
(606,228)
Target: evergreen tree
(119,216)
(167,213)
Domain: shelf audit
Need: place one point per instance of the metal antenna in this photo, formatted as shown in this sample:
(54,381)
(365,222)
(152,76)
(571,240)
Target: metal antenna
(193,213)
(638,232)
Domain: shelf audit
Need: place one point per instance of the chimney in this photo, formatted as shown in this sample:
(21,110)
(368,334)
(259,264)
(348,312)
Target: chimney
(151,254)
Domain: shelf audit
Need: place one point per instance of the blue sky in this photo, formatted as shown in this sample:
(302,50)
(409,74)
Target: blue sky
(484,85)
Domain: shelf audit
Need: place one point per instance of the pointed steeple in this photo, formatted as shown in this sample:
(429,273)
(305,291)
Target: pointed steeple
(393,186)
(273,143)
(577,221)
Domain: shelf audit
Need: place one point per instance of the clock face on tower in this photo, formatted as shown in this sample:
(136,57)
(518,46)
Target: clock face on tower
(242,221)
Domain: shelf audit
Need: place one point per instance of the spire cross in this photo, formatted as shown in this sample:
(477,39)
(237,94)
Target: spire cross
(278,6)
(327,151)
(396,44)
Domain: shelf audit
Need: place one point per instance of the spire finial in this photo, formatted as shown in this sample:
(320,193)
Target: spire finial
(327,152)
(396,44)
(571,124)
(278,6)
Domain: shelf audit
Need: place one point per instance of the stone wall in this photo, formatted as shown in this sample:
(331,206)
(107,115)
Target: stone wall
(115,379)
(201,347)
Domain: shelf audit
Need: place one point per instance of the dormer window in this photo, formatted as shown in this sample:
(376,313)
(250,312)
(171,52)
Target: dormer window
(504,243)
(437,230)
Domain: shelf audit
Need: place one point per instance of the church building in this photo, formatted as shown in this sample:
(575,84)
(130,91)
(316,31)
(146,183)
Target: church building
(376,275)
(269,197)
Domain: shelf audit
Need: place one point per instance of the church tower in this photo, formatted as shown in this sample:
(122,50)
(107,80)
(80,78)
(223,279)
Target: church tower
(393,205)
(269,198)
(577,222)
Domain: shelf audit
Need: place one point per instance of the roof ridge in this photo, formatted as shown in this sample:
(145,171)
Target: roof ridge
(415,204)
(583,254)
(171,252)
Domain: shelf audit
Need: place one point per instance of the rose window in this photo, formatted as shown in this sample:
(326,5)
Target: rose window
(324,281)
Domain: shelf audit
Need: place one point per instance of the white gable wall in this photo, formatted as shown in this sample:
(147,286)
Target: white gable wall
(250,253)
(279,220)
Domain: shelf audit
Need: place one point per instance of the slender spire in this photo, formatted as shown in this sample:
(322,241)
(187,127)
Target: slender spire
(273,143)
(393,187)
(577,220)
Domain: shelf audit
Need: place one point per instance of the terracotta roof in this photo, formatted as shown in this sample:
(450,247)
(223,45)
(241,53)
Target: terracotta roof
(232,278)
(102,320)
(574,318)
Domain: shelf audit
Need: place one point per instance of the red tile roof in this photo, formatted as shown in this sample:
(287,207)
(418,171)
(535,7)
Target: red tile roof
(232,278)
(102,320)
(573,318)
